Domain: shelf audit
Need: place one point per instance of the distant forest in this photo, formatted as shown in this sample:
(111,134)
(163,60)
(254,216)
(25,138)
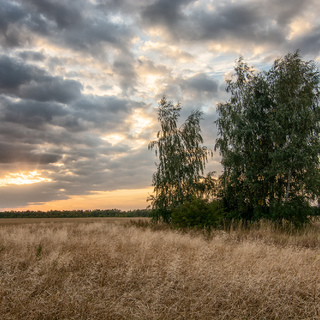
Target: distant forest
(75,213)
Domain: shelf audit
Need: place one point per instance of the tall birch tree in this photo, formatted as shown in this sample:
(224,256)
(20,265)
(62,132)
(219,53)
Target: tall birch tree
(269,140)
(182,158)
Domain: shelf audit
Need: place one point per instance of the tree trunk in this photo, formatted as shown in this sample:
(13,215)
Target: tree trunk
(288,185)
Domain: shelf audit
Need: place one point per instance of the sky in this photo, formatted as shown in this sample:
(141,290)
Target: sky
(80,82)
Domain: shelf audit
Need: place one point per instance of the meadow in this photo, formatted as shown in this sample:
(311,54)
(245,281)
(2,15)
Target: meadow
(112,269)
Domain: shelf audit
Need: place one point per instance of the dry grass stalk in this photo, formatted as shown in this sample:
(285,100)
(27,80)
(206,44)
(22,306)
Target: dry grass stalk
(100,270)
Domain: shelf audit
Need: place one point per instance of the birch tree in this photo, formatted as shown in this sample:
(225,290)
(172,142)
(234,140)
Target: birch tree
(269,140)
(182,159)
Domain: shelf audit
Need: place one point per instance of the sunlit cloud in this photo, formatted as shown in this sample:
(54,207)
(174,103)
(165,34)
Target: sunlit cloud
(299,27)
(23,178)
(139,122)
(168,51)
(113,138)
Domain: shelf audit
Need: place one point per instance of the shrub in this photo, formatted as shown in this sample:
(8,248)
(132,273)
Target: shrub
(297,211)
(197,214)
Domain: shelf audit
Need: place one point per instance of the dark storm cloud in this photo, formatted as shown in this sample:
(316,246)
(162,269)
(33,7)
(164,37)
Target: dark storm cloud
(29,82)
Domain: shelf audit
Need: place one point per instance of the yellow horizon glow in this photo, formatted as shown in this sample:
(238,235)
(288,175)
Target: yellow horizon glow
(123,199)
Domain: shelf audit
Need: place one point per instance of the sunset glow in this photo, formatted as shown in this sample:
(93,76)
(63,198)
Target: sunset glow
(22,178)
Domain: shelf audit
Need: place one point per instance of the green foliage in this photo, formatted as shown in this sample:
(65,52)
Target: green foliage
(198,214)
(181,164)
(269,134)
(297,211)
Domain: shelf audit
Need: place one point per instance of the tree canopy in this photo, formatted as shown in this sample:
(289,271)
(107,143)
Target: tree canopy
(182,159)
(269,140)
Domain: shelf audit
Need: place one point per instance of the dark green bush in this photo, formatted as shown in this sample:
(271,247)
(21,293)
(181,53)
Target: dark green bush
(296,211)
(197,214)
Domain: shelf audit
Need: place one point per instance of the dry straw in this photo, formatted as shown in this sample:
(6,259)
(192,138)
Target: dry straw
(101,270)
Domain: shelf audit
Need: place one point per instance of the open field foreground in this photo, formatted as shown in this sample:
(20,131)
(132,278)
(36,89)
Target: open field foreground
(103,270)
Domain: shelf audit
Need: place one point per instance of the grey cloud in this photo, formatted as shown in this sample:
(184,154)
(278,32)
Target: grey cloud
(148,66)
(96,113)
(32,114)
(260,22)
(32,56)
(202,83)
(124,69)
(23,153)
(29,82)
(13,74)
(164,12)
(10,13)
(102,104)
(309,44)
(52,89)
(20,196)
(237,22)
(79,25)
(64,13)
(284,11)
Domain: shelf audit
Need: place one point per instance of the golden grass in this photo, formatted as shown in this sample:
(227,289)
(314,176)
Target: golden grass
(102,270)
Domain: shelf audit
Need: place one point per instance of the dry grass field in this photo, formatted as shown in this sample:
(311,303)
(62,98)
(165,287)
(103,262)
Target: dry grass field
(107,269)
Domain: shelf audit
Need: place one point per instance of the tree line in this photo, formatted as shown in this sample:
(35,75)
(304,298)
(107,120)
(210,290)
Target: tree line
(269,142)
(75,213)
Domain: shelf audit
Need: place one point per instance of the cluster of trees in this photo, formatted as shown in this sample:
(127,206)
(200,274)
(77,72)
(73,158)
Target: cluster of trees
(75,213)
(269,142)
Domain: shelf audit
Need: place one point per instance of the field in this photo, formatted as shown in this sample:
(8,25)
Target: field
(111,269)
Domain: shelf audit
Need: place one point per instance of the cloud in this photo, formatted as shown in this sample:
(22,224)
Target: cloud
(25,154)
(13,74)
(123,67)
(164,12)
(234,24)
(78,25)
(29,82)
(199,85)
(49,88)
(32,114)
(32,56)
